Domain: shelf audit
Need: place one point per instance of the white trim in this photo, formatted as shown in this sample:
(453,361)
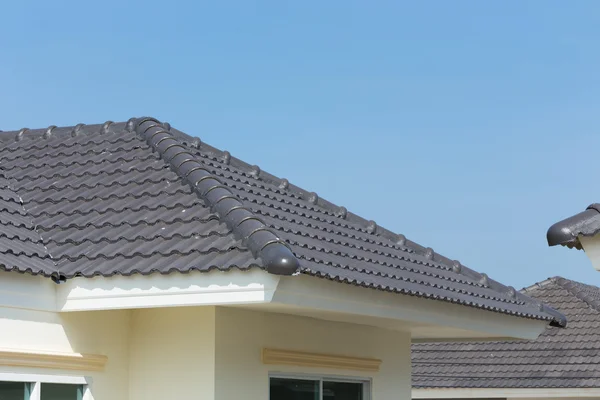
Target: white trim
(66,379)
(426,319)
(34,383)
(465,393)
(192,289)
(35,391)
(591,246)
(302,295)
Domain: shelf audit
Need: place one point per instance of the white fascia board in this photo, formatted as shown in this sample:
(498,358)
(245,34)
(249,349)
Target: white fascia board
(191,289)
(327,296)
(318,297)
(509,393)
(591,246)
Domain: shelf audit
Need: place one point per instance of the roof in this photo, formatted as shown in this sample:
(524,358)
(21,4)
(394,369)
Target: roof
(140,197)
(558,358)
(567,231)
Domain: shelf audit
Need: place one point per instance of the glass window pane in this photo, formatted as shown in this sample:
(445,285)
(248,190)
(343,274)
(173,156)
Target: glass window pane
(342,391)
(293,389)
(12,391)
(59,391)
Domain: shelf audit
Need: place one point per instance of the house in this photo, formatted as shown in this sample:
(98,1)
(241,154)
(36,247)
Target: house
(560,363)
(579,231)
(140,263)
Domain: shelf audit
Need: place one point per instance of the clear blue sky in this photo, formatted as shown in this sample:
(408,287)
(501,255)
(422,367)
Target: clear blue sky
(469,126)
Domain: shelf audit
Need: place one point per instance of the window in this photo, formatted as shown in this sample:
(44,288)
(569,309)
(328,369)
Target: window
(12,390)
(40,391)
(310,388)
(61,391)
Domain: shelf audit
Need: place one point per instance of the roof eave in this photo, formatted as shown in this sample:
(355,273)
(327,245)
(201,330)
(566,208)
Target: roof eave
(567,232)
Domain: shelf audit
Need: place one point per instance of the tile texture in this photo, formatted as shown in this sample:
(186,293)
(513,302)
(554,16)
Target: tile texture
(139,197)
(560,358)
(568,231)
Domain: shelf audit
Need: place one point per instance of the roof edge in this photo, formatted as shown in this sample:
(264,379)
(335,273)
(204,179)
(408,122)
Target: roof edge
(277,258)
(394,239)
(567,231)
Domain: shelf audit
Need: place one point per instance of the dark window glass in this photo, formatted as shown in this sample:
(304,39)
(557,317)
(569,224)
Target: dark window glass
(12,391)
(342,391)
(58,391)
(293,389)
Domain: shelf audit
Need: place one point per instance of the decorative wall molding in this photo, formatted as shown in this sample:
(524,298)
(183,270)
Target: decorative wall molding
(68,361)
(318,360)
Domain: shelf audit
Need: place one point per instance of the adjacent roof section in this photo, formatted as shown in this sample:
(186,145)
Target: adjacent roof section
(559,358)
(567,231)
(139,197)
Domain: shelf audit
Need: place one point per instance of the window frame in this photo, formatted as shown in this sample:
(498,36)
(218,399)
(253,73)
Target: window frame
(367,383)
(33,383)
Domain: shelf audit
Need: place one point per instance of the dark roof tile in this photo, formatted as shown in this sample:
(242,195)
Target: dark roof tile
(567,231)
(141,197)
(568,357)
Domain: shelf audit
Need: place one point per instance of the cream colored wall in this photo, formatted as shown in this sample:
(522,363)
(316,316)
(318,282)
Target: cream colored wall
(240,335)
(172,353)
(101,332)
(200,352)
(152,354)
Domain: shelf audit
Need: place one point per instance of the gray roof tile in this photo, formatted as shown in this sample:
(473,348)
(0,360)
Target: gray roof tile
(568,357)
(140,197)
(567,231)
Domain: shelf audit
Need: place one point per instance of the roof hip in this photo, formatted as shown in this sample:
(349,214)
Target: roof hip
(578,290)
(257,236)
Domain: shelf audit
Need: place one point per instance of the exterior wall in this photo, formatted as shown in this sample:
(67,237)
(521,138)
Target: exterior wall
(200,352)
(172,353)
(241,334)
(101,332)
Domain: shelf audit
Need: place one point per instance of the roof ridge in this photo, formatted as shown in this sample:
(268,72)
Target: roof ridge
(540,284)
(572,287)
(370,226)
(263,243)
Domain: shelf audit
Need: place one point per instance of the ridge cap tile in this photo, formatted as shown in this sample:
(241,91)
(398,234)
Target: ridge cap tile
(256,216)
(580,290)
(263,243)
(368,226)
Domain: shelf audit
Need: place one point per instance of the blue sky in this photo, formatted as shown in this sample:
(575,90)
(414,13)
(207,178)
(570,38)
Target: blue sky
(469,126)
